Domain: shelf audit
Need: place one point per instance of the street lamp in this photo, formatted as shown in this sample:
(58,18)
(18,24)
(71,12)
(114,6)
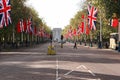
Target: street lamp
(119,36)
(100,43)
(114,15)
(100,33)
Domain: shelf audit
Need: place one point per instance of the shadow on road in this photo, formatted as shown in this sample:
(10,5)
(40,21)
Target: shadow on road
(15,65)
(23,72)
(69,58)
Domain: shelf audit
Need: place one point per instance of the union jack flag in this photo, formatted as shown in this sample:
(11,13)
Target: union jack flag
(29,25)
(92,17)
(5,9)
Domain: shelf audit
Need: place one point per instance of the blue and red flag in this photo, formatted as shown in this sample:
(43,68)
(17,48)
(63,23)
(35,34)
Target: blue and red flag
(29,28)
(5,9)
(92,17)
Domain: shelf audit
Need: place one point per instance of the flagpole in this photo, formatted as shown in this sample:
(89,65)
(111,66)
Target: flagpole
(91,45)
(13,38)
(100,41)
(119,36)
(22,38)
(85,29)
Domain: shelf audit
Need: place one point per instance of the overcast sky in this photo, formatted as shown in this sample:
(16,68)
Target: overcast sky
(56,13)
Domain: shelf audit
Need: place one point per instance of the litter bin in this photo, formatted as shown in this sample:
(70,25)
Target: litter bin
(51,50)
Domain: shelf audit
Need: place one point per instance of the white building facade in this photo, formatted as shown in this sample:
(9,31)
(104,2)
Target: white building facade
(57,34)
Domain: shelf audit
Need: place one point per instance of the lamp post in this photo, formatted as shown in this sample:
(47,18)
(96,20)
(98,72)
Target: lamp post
(85,40)
(118,2)
(13,38)
(100,42)
(100,33)
(119,36)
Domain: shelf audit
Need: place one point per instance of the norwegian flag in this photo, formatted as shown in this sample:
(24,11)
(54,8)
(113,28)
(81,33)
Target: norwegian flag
(92,17)
(5,9)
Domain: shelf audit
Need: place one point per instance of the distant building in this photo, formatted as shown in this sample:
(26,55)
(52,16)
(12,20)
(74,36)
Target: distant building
(57,34)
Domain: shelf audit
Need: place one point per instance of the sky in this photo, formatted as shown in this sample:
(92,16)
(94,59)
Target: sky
(56,13)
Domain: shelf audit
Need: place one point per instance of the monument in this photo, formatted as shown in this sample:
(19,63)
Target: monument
(57,34)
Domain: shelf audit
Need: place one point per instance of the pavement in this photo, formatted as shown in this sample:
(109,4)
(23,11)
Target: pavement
(83,63)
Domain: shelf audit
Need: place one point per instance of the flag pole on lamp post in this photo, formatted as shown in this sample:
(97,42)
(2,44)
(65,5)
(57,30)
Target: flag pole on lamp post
(85,31)
(100,33)
(100,40)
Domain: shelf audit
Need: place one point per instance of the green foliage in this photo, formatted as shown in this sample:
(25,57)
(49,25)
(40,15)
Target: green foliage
(20,11)
(107,8)
(111,6)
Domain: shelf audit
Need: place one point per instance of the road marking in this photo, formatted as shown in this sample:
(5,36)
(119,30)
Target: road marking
(57,67)
(95,79)
(79,67)
(72,70)
(84,67)
(91,73)
(68,72)
(58,78)
(88,70)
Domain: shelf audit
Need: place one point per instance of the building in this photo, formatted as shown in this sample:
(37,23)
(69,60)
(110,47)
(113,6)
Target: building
(57,34)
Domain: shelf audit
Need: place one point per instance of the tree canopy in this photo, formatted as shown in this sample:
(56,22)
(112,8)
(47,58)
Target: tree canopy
(106,10)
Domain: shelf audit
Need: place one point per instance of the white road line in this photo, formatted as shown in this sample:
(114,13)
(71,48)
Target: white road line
(58,78)
(94,79)
(79,67)
(68,72)
(72,70)
(84,67)
(91,73)
(57,69)
(88,70)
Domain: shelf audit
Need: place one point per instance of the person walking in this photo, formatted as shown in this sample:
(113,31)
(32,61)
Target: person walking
(75,45)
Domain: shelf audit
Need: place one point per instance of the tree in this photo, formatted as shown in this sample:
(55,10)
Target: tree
(19,11)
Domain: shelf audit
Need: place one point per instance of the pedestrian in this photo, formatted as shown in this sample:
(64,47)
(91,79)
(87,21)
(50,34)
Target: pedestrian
(107,45)
(75,45)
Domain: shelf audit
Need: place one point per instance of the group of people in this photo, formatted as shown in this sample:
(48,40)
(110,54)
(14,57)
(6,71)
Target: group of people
(75,45)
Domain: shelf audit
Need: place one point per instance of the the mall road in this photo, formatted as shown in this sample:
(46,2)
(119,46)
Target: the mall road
(83,63)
